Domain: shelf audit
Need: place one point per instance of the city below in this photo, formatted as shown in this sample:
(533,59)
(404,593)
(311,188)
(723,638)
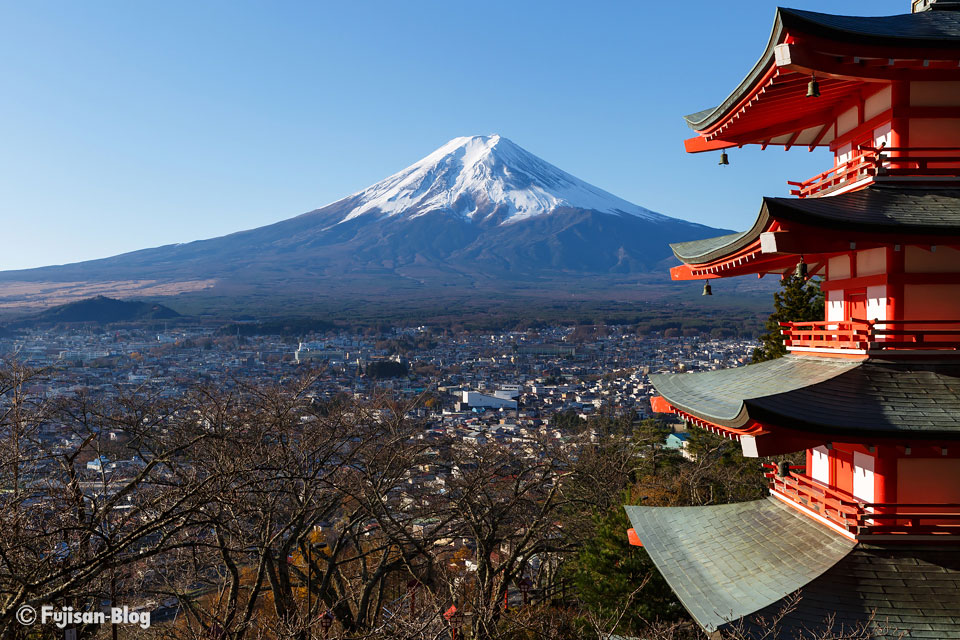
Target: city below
(480,383)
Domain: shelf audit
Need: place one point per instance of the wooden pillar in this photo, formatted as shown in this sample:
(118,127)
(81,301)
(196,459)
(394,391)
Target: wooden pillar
(885,474)
(895,269)
(899,125)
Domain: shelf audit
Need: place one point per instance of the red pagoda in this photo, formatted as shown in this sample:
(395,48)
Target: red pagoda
(869,530)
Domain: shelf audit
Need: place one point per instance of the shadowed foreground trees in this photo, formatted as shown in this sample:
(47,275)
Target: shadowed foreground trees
(264,512)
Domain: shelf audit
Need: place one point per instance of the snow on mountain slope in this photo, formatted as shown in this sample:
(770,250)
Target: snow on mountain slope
(477,211)
(486,178)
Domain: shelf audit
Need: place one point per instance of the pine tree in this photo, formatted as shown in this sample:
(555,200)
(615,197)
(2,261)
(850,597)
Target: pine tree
(607,571)
(797,301)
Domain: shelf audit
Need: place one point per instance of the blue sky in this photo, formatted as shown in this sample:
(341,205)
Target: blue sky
(125,125)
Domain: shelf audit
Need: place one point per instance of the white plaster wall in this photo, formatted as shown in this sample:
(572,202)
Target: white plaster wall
(881,135)
(847,121)
(844,154)
(877,103)
(871,262)
(863,483)
(877,302)
(820,460)
(835,305)
(839,268)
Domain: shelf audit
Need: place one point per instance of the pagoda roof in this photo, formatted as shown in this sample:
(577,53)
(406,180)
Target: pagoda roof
(912,36)
(830,396)
(940,29)
(908,592)
(877,209)
(728,561)
(740,565)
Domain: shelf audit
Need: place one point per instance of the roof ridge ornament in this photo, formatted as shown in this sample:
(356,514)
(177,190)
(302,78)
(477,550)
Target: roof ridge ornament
(917,6)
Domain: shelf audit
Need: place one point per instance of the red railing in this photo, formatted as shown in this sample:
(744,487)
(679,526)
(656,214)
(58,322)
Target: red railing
(886,162)
(864,519)
(842,174)
(873,335)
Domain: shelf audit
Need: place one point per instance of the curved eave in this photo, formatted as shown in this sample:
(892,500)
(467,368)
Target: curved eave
(880,399)
(720,397)
(728,561)
(878,208)
(708,117)
(709,249)
(933,30)
(923,30)
(916,214)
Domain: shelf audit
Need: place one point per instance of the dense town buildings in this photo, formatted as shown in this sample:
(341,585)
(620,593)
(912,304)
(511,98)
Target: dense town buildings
(542,370)
(472,389)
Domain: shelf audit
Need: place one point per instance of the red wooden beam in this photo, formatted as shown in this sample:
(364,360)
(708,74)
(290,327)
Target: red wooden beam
(757,135)
(823,132)
(700,145)
(862,130)
(792,140)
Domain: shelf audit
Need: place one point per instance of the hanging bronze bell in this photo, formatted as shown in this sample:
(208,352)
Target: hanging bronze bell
(813,88)
(724,160)
(707,290)
(801,270)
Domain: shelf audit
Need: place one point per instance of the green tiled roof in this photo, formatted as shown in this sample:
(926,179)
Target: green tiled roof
(912,593)
(879,208)
(719,396)
(740,565)
(695,250)
(825,395)
(728,561)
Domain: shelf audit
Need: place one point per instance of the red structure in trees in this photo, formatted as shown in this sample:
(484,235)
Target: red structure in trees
(871,392)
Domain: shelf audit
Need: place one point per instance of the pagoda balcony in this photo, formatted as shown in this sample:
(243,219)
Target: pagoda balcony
(887,164)
(866,521)
(872,336)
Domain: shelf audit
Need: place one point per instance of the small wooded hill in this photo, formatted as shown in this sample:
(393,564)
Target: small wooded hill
(102,310)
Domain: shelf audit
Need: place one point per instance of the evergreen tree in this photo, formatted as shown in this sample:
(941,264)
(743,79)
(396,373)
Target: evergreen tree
(797,301)
(607,570)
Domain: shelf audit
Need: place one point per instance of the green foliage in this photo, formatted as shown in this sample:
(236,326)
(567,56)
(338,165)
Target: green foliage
(292,326)
(648,437)
(607,571)
(386,369)
(568,421)
(609,421)
(796,301)
(730,476)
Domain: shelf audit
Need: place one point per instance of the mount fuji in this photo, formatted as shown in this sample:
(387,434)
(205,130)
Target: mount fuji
(477,212)
(486,179)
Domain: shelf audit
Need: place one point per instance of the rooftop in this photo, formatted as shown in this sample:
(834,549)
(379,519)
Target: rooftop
(728,561)
(937,32)
(878,209)
(733,565)
(825,396)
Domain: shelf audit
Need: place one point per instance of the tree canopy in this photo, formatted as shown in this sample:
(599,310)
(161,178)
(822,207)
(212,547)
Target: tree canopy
(798,300)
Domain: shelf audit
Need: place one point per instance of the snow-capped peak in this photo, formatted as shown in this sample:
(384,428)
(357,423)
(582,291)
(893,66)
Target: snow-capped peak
(486,177)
